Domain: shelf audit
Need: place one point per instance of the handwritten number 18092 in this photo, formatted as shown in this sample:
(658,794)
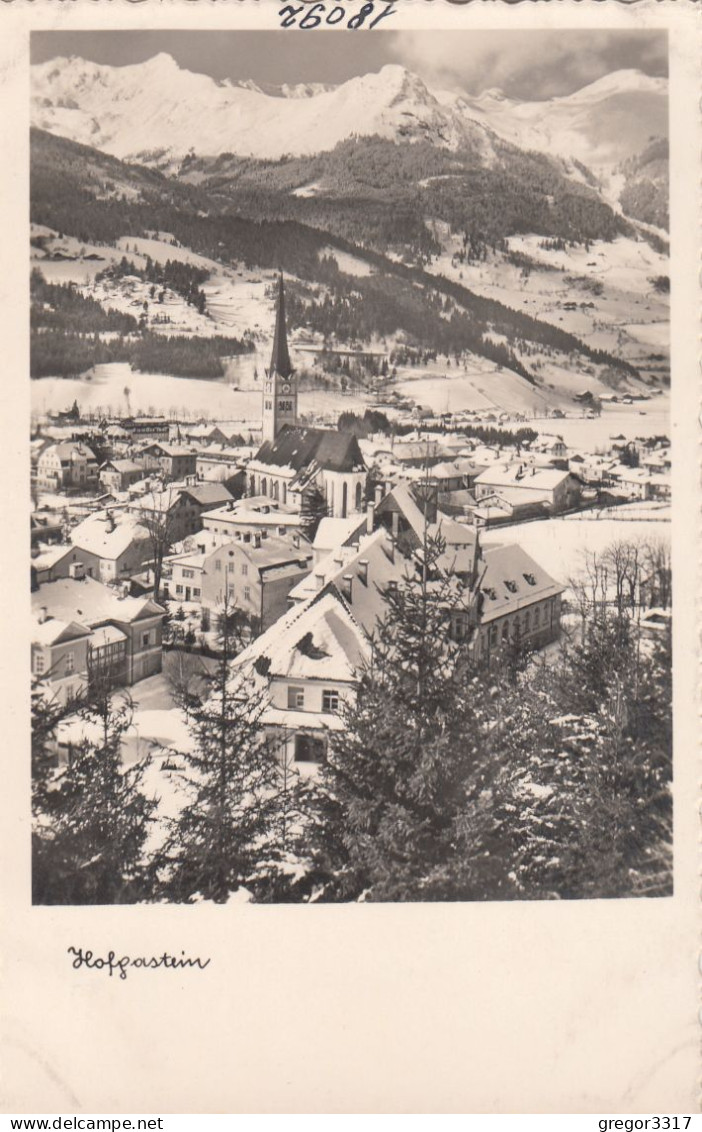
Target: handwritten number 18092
(325,14)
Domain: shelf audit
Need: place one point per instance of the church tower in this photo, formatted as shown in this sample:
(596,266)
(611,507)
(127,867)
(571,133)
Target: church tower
(279,386)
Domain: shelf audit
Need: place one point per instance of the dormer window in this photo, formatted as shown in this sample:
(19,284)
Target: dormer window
(530,579)
(511,586)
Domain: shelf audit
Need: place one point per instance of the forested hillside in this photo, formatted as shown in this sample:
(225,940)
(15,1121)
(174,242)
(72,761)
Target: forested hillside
(98,199)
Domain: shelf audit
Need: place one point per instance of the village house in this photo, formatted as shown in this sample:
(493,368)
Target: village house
(125,633)
(519,601)
(59,657)
(559,488)
(178,510)
(67,466)
(118,475)
(308,664)
(112,545)
(254,575)
(174,463)
(250,516)
(157,428)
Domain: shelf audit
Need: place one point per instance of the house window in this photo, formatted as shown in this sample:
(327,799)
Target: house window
(244,569)
(218,562)
(196,592)
(296,697)
(145,640)
(188,573)
(493,634)
(230,567)
(309,749)
(330,699)
(247,593)
(179,589)
(70,663)
(38,662)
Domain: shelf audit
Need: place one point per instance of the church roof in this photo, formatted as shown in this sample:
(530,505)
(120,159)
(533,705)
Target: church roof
(298,447)
(280,356)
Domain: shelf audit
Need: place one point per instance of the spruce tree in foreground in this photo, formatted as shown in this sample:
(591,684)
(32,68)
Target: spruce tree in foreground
(227,835)
(91,817)
(406,801)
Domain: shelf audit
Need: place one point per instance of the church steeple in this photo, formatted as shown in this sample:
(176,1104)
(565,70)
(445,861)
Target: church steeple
(280,387)
(280,357)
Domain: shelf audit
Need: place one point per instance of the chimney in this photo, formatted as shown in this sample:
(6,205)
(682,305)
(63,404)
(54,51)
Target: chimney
(319,581)
(257,539)
(296,540)
(389,548)
(370,518)
(110,522)
(378,493)
(363,570)
(347,586)
(395,524)
(43,614)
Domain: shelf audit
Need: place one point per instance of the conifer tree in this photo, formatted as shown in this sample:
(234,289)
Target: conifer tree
(226,827)
(91,817)
(405,801)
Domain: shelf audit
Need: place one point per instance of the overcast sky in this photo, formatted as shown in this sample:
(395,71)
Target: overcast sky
(525,64)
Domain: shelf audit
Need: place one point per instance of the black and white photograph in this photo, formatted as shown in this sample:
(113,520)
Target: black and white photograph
(350,466)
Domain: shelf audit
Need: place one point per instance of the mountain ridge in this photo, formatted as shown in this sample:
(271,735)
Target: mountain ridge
(180,111)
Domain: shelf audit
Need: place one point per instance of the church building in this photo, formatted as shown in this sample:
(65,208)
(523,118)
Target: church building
(293,460)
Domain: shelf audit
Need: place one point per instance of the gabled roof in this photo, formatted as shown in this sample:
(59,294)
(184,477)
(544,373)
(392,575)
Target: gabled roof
(297,447)
(95,535)
(459,539)
(520,475)
(333,532)
(507,584)
(126,467)
(51,556)
(91,603)
(317,639)
(372,566)
(54,631)
(208,493)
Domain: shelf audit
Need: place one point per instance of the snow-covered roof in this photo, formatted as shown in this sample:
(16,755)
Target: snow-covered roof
(49,556)
(315,639)
(513,581)
(108,537)
(90,602)
(53,630)
(520,475)
(333,532)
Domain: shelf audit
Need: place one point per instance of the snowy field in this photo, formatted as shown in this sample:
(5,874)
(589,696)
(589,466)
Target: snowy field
(559,544)
(163,394)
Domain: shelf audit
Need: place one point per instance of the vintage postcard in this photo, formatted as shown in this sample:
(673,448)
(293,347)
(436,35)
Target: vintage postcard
(350,670)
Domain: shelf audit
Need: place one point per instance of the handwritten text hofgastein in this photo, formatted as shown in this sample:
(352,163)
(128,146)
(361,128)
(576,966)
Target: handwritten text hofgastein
(112,964)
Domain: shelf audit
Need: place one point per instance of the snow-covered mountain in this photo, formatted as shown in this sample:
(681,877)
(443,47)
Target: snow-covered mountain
(157,110)
(601,125)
